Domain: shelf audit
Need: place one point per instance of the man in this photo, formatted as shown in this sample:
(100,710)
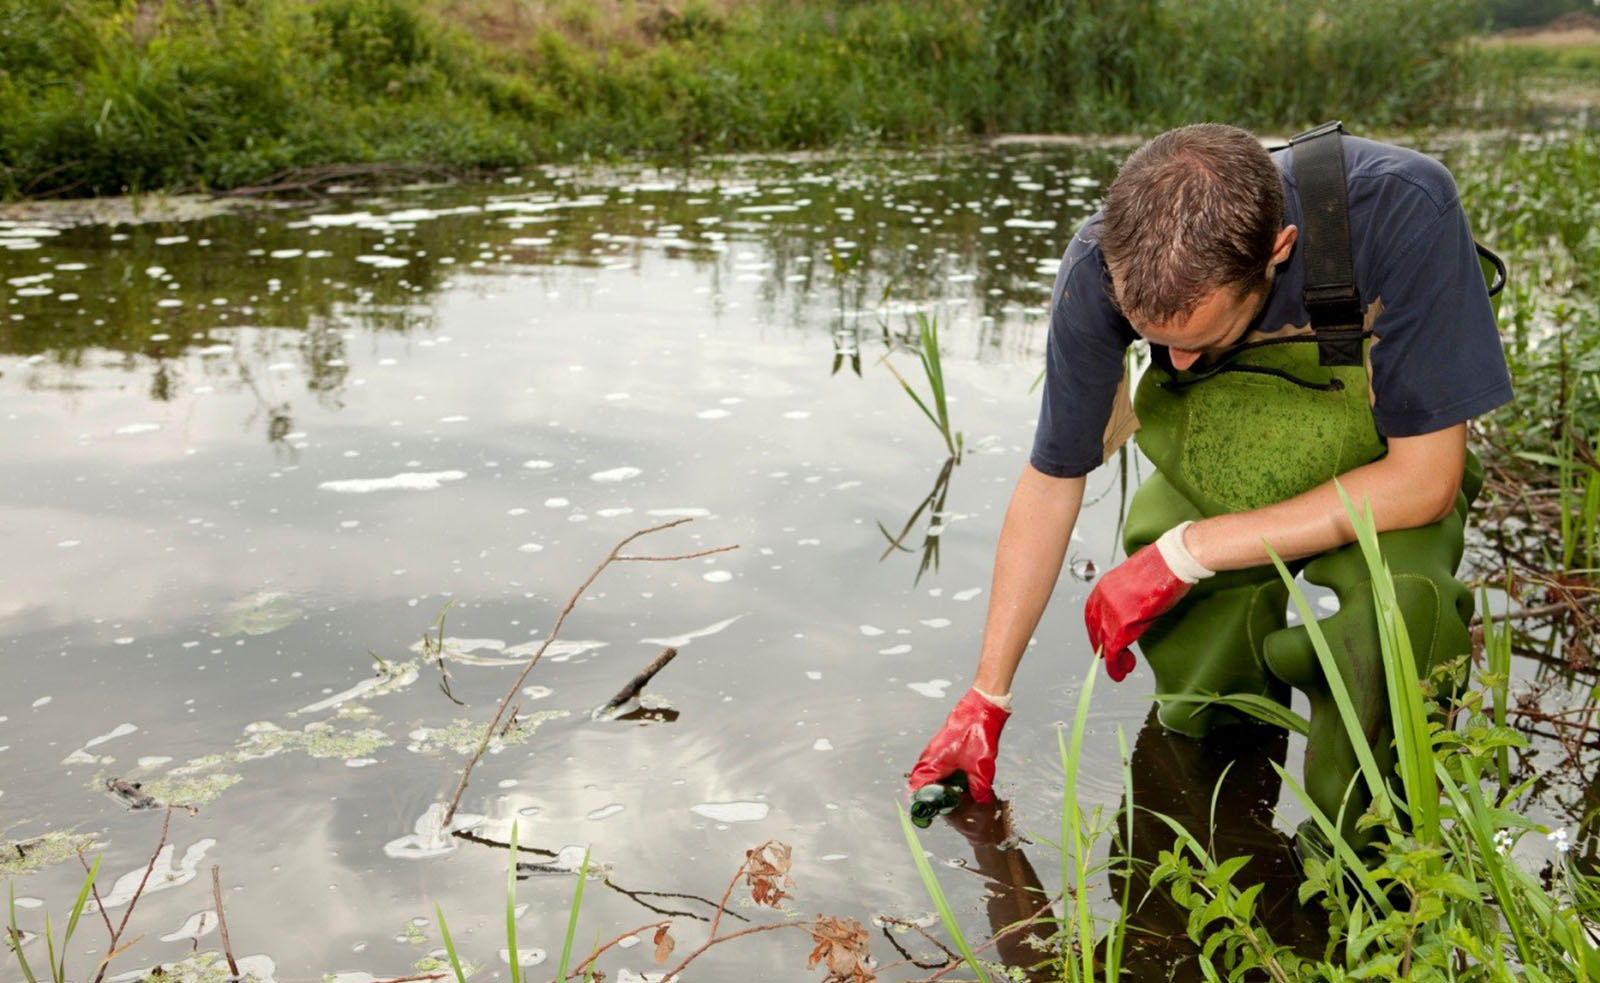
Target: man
(1198,249)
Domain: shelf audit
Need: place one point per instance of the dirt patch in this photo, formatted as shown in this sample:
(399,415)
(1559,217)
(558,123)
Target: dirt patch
(121,210)
(596,24)
(1575,29)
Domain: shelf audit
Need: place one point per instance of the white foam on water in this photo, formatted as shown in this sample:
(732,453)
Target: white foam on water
(822,744)
(170,240)
(871,630)
(41,701)
(968,594)
(286,253)
(797,414)
(162,876)
(388,682)
(614,397)
(529,548)
(1023,223)
(680,513)
(121,730)
(605,812)
(536,692)
(453,419)
(936,622)
(557,503)
(431,838)
(359,762)
(615,475)
(559,651)
(732,812)
(712,414)
(677,641)
(613,513)
(895,650)
(933,688)
(813,674)
(525,957)
(405,481)
(717,576)
(30,902)
(199,924)
(133,428)
(832,858)
(383,262)
(154,760)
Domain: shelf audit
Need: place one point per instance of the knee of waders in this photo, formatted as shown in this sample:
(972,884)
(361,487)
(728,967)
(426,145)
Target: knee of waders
(1210,645)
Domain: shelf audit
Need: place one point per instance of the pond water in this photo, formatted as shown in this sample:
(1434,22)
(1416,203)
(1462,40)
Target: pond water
(254,458)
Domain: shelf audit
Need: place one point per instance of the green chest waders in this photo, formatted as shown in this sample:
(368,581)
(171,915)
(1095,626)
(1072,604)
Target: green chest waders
(1268,425)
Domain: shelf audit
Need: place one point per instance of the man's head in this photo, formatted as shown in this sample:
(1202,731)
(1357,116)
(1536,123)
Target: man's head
(1191,229)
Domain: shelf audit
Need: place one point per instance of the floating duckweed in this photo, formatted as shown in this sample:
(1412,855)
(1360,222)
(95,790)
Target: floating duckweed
(319,740)
(197,791)
(209,967)
(462,735)
(260,613)
(26,856)
(202,763)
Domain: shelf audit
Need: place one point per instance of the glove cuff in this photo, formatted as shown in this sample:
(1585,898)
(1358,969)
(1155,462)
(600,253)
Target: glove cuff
(1178,558)
(1000,700)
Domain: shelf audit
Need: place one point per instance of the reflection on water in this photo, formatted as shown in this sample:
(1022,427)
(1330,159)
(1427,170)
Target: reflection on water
(263,451)
(254,456)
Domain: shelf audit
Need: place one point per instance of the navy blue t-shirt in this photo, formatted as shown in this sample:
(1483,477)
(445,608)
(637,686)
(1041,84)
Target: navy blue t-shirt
(1436,355)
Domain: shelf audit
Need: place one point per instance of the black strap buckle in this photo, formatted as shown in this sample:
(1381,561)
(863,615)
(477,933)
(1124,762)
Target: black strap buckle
(1333,304)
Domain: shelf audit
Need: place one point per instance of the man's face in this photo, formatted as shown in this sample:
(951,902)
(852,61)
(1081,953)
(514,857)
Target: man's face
(1216,324)
(1222,316)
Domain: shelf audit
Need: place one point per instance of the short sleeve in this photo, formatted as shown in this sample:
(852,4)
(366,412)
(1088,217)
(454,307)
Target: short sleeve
(1083,365)
(1436,357)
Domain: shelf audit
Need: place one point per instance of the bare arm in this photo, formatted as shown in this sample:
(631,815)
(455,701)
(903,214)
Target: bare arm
(1413,485)
(1033,542)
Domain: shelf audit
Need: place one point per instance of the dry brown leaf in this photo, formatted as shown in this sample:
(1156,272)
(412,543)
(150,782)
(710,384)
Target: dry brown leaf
(664,944)
(767,875)
(842,943)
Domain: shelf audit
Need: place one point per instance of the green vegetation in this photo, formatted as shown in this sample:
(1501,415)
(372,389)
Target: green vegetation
(1445,895)
(1535,200)
(57,961)
(102,96)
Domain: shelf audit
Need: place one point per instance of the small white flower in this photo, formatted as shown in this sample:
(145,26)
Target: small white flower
(1502,841)
(1559,838)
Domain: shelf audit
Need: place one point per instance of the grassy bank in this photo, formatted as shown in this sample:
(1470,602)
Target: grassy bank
(102,96)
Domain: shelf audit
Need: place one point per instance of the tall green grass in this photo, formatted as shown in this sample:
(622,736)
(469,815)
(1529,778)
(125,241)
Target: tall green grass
(100,96)
(55,956)
(1447,893)
(1535,199)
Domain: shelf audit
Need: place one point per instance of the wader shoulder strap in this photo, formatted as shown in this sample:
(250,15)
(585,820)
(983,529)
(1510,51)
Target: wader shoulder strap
(1331,296)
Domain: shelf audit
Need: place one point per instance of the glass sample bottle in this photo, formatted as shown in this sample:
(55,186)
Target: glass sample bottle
(938,798)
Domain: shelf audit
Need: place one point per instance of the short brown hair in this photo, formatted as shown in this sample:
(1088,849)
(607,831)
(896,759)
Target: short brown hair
(1194,209)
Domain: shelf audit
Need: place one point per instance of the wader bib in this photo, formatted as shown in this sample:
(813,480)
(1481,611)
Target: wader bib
(1256,426)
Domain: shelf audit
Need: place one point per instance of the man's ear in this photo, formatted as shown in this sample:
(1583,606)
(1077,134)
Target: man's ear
(1284,243)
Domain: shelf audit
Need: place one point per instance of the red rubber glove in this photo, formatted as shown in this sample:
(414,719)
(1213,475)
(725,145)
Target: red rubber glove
(1135,593)
(967,742)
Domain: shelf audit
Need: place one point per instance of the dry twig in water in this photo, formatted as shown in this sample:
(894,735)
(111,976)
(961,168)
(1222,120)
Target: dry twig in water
(615,556)
(222,921)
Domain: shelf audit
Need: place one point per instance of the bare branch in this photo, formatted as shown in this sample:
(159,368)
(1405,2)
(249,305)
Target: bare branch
(572,602)
(222,921)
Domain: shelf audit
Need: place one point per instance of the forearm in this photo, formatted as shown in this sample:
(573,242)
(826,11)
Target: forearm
(1033,542)
(1415,484)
